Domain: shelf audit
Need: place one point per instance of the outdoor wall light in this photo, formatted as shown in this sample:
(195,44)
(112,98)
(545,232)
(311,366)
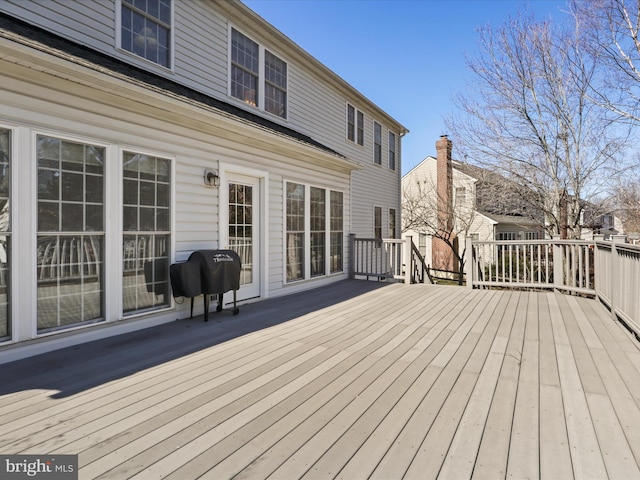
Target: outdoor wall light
(211,178)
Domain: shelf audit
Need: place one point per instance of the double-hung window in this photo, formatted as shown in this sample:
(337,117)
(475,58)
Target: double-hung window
(5,229)
(275,85)
(337,231)
(146,232)
(258,77)
(392,151)
(318,230)
(70,236)
(316,214)
(377,223)
(295,231)
(146,29)
(355,125)
(377,143)
(392,223)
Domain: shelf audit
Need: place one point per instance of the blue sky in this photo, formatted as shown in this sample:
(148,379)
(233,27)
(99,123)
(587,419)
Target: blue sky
(406,56)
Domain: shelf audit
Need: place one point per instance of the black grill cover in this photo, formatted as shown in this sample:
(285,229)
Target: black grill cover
(185,279)
(219,270)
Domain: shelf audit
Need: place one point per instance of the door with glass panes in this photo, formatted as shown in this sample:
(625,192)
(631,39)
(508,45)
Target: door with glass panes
(243,230)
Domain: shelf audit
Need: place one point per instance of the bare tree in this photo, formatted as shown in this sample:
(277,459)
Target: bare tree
(611,30)
(528,115)
(423,208)
(627,204)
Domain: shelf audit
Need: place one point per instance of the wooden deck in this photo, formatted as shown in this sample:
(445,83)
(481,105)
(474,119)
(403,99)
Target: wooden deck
(357,380)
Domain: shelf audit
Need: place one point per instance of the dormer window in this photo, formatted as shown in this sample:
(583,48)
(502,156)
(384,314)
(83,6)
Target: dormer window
(258,77)
(146,29)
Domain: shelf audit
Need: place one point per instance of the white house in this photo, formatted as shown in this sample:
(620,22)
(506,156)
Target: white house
(133,133)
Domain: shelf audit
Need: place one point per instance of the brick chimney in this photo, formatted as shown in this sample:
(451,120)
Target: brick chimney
(444,183)
(442,256)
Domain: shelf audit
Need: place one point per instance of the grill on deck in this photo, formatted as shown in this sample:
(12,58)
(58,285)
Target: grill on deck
(207,272)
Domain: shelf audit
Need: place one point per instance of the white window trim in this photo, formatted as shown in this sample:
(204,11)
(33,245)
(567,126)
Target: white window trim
(118,38)
(261,75)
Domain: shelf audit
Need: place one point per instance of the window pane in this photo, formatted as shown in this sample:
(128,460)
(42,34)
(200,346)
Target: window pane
(94,219)
(72,188)
(48,184)
(93,193)
(48,217)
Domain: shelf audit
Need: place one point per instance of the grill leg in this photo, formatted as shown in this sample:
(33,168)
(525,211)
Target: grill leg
(235,309)
(206,307)
(219,307)
(191,308)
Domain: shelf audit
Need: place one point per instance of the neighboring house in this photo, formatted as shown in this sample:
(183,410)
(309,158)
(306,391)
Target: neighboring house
(135,132)
(469,201)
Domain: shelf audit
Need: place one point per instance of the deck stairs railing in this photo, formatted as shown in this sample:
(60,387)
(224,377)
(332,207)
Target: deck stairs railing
(387,259)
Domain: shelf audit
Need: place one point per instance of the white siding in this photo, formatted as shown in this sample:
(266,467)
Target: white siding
(316,103)
(89,23)
(57,107)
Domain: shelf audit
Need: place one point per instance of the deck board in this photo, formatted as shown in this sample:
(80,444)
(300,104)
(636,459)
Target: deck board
(354,380)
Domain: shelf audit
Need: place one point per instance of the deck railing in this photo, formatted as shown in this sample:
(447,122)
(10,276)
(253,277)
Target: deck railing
(544,264)
(387,258)
(617,271)
(608,270)
(377,258)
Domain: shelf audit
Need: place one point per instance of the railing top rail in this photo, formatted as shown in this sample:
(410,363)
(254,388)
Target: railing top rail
(383,240)
(629,247)
(547,241)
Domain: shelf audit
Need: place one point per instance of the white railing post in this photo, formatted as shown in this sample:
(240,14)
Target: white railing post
(352,255)
(558,262)
(597,265)
(408,259)
(470,264)
(615,283)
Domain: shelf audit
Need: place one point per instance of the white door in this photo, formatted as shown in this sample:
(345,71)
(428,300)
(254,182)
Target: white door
(243,230)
